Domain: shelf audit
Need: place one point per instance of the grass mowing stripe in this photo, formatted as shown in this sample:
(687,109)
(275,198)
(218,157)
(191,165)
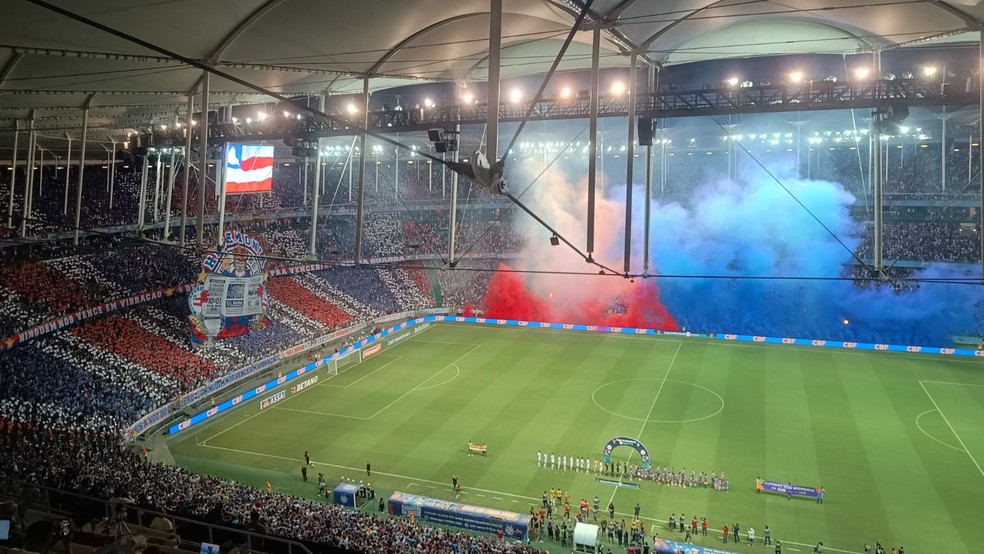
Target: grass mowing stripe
(649,413)
(954,431)
(531,389)
(402,396)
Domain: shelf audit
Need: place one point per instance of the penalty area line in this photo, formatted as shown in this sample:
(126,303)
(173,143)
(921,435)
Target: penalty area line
(402,396)
(952,430)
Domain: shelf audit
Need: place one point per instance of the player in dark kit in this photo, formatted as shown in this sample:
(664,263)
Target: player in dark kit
(307,457)
(368,468)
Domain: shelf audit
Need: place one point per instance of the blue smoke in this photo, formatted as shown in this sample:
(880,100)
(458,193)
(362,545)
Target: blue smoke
(755,229)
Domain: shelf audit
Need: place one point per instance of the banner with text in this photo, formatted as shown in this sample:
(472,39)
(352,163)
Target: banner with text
(788,489)
(462,516)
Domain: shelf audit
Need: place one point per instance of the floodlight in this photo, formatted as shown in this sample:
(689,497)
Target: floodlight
(796,77)
(515,95)
(733,81)
(929,70)
(862,72)
(618,88)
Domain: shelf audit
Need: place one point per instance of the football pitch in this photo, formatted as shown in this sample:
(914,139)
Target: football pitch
(896,440)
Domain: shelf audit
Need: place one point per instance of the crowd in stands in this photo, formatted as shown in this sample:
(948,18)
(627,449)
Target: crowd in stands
(467,284)
(925,242)
(92,462)
(87,383)
(407,288)
(146,348)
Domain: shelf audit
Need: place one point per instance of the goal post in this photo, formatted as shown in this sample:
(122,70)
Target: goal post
(343,362)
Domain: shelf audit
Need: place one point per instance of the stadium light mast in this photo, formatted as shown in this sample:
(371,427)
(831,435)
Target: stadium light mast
(454,202)
(40,170)
(142,204)
(187,169)
(28,177)
(220,178)
(13,176)
(112,170)
(876,154)
(629,161)
(203,162)
(167,199)
(360,200)
(650,85)
(317,187)
(68,164)
(78,191)
(495,59)
(157,188)
(305,178)
(593,137)
(980,140)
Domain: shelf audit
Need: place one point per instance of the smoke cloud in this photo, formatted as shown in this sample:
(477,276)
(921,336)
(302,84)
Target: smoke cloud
(734,257)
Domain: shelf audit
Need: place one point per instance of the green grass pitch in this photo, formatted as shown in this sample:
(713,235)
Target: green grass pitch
(897,440)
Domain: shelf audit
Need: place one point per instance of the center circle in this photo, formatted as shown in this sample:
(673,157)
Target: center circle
(678,401)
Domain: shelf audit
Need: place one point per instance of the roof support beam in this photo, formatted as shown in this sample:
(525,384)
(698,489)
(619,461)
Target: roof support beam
(970,20)
(237,32)
(9,67)
(616,11)
(403,43)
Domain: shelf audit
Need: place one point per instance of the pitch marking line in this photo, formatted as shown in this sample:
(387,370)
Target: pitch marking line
(951,383)
(630,418)
(513,497)
(394,360)
(402,396)
(648,415)
(457,372)
(948,445)
(954,431)
(318,413)
(445,342)
(231,428)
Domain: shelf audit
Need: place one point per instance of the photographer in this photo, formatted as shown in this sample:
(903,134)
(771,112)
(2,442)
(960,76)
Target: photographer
(61,531)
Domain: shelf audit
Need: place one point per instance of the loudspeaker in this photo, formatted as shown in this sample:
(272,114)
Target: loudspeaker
(897,113)
(889,118)
(646,131)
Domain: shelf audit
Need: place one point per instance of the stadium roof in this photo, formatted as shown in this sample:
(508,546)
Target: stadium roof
(55,65)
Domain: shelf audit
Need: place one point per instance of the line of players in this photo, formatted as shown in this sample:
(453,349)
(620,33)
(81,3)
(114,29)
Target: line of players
(658,474)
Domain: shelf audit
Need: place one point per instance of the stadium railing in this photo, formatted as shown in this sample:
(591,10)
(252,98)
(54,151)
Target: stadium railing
(228,386)
(247,392)
(193,530)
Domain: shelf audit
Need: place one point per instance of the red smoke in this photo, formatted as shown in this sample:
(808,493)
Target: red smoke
(509,298)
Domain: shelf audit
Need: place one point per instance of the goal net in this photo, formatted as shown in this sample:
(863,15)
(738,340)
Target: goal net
(341,363)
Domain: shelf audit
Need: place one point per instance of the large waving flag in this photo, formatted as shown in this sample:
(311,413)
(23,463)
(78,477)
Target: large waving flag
(249,168)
